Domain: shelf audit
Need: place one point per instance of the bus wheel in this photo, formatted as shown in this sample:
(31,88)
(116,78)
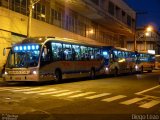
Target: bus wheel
(116,72)
(92,74)
(58,76)
(149,71)
(131,70)
(141,70)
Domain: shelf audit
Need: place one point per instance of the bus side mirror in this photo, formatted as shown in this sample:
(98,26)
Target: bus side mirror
(4,51)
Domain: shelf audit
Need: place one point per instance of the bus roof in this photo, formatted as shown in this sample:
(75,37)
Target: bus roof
(157,55)
(42,40)
(144,52)
(118,48)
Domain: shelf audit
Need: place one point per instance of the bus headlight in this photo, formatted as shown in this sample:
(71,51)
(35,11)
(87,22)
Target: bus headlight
(136,67)
(5,73)
(106,68)
(34,72)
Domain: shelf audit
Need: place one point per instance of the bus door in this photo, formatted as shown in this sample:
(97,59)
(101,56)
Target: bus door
(122,63)
(46,66)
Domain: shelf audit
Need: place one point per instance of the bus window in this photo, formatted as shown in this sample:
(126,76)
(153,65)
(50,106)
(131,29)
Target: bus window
(106,55)
(151,58)
(84,53)
(126,54)
(97,53)
(57,52)
(133,57)
(90,53)
(67,51)
(21,56)
(76,52)
(115,54)
(119,54)
(46,53)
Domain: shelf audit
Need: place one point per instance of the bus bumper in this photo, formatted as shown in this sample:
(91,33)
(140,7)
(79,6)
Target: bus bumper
(105,71)
(21,77)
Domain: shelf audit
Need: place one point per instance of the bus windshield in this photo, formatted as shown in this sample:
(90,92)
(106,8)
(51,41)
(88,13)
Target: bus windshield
(23,56)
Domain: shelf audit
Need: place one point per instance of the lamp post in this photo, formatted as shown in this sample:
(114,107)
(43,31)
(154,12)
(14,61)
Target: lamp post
(145,33)
(31,6)
(136,16)
(145,43)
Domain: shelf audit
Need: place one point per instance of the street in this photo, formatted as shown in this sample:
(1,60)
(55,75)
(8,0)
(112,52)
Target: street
(135,96)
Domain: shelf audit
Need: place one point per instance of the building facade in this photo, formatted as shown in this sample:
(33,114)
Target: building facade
(100,22)
(150,42)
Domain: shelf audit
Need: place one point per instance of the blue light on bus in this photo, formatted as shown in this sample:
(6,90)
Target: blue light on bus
(105,53)
(16,48)
(29,47)
(24,48)
(20,48)
(33,47)
(37,47)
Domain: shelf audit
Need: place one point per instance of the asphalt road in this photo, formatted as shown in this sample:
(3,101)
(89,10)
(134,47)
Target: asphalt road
(130,97)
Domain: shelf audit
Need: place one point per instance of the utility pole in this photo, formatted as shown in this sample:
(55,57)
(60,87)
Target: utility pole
(31,4)
(135,41)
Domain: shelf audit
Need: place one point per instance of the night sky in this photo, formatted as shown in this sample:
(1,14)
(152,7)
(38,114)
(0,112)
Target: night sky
(150,10)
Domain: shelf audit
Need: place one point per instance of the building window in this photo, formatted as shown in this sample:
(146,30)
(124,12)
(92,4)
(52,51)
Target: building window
(133,24)
(129,20)
(56,17)
(39,12)
(111,8)
(123,17)
(103,4)
(118,13)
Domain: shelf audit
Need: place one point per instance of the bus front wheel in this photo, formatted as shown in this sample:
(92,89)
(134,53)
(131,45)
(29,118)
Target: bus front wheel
(141,70)
(58,76)
(116,72)
(149,71)
(92,73)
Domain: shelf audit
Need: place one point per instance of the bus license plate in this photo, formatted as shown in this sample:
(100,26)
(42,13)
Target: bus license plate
(17,78)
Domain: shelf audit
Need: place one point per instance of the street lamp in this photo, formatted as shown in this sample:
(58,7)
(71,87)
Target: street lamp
(145,33)
(31,6)
(149,29)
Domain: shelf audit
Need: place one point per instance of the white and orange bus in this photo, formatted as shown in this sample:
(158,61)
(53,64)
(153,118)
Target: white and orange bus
(118,60)
(51,58)
(145,61)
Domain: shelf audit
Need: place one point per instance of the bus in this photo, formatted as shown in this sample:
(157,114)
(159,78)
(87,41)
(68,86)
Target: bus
(118,60)
(144,61)
(51,58)
(157,62)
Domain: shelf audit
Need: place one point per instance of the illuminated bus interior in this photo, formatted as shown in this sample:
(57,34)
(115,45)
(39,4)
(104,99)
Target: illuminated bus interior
(24,56)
